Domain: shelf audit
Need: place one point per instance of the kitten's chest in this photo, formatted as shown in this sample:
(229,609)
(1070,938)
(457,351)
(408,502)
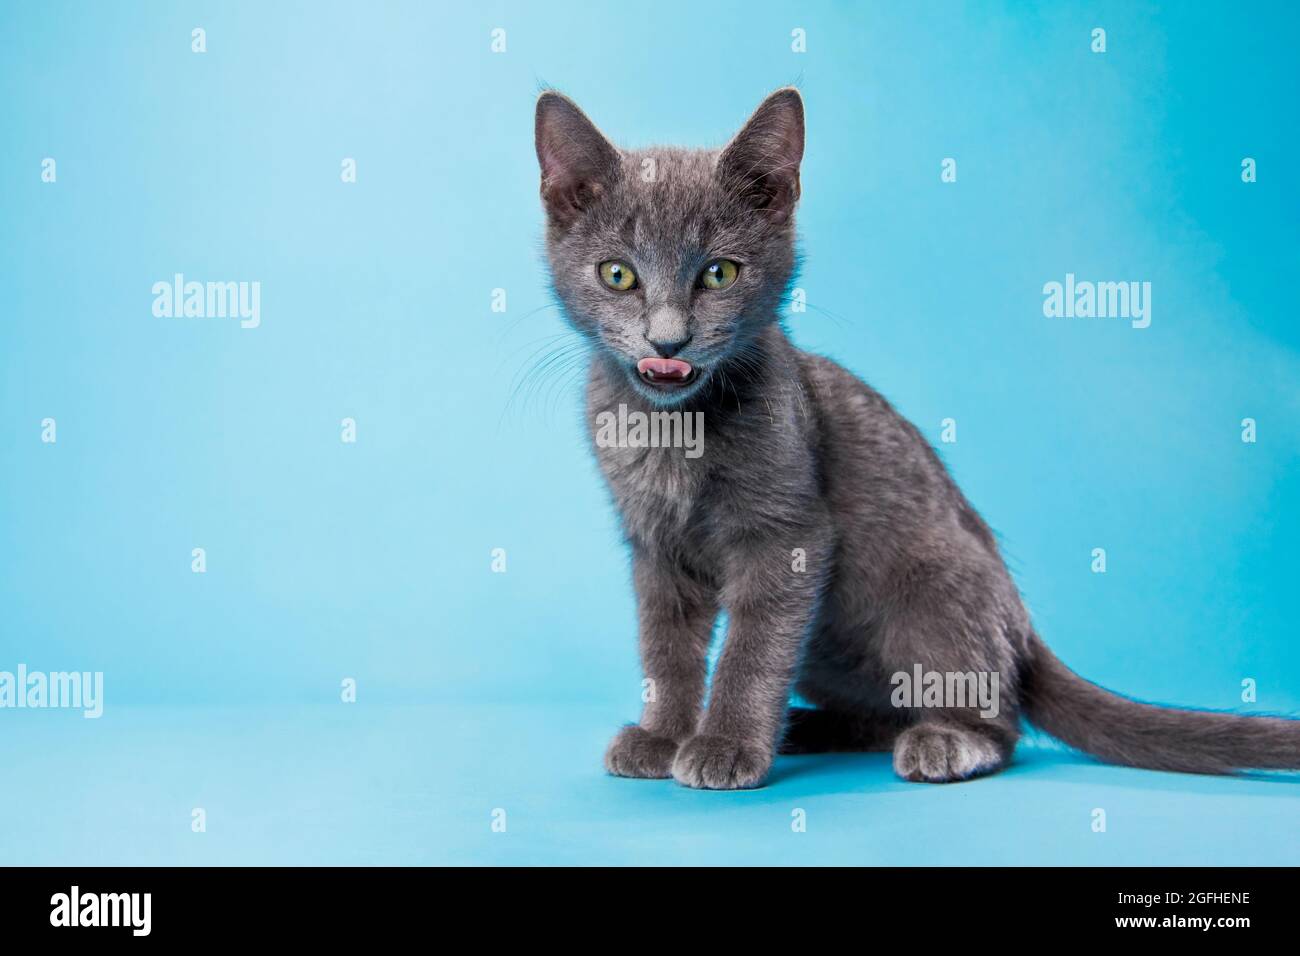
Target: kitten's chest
(661,495)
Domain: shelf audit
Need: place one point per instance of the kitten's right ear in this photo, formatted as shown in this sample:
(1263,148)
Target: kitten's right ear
(578,162)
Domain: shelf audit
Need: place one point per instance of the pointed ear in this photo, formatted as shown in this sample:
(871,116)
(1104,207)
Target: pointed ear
(761,164)
(578,162)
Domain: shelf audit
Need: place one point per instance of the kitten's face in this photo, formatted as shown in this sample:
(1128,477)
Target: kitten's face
(670,260)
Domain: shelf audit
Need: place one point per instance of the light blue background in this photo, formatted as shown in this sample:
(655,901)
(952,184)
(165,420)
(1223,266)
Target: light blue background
(479,690)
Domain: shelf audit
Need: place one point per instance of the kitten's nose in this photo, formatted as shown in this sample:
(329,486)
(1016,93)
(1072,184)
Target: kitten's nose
(667,329)
(667,348)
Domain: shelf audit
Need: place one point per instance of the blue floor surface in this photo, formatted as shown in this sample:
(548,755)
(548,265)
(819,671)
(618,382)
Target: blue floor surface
(421,784)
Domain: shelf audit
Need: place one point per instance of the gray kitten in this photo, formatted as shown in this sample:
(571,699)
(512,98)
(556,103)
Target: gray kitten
(818,518)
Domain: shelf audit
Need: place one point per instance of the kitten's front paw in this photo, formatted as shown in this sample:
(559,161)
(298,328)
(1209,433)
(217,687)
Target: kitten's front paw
(719,763)
(635,752)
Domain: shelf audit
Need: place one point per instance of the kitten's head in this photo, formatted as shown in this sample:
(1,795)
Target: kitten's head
(670,261)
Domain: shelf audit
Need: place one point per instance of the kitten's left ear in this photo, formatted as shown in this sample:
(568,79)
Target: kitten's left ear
(762,162)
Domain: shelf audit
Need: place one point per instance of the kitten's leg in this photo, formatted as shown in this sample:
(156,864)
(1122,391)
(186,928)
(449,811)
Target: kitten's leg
(770,610)
(959,739)
(676,615)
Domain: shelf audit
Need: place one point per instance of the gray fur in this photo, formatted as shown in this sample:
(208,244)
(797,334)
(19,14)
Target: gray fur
(899,569)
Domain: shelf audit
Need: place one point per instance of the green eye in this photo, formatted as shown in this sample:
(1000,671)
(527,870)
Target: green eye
(617,275)
(719,274)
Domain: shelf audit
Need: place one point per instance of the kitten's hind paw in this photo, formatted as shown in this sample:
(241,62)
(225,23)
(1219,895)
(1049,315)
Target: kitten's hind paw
(635,752)
(718,763)
(931,753)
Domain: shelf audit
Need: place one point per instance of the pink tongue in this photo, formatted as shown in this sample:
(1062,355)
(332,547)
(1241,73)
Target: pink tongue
(664,367)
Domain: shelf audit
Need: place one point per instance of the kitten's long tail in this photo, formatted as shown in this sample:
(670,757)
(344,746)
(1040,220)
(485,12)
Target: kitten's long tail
(1128,732)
